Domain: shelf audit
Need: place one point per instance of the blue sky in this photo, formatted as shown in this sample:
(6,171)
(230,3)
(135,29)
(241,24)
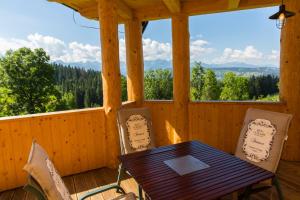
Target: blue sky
(244,36)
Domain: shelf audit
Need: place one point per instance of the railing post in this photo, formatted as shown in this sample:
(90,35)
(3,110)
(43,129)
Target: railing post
(290,77)
(111,75)
(134,61)
(181,71)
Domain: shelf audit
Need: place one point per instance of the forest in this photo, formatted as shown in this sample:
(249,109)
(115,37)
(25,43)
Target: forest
(31,84)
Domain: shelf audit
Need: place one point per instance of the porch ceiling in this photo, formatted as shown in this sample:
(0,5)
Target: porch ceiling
(158,9)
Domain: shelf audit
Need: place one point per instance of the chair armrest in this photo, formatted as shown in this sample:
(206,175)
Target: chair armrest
(100,190)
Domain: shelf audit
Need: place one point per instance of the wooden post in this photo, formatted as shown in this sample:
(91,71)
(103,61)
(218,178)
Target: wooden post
(290,78)
(111,75)
(134,61)
(181,67)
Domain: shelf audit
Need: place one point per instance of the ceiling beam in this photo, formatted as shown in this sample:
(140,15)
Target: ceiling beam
(197,7)
(233,4)
(123,10)
(173,5)
(188,7)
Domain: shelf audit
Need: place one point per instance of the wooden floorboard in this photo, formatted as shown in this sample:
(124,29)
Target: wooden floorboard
(288,173)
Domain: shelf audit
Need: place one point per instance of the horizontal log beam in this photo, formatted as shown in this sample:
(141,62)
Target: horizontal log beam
(173,5)
(123,10)
(233,4)
(196,7)
(167,9)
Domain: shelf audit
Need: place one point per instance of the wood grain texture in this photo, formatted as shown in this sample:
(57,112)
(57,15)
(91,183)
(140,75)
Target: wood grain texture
(159,9)
(111,75)
(75,141)
(162,120)
(219,124)
(196,7)
(225,174)
(174,6)
(215,123)
(181,75)
(290,77)
(134,61)
(288,174)
(233,4)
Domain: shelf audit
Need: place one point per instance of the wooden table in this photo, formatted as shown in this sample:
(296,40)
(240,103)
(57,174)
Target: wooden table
(225,175)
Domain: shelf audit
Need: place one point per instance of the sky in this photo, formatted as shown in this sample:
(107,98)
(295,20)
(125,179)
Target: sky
(242,36)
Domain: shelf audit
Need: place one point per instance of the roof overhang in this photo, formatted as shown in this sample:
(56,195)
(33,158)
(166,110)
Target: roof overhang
(146,10)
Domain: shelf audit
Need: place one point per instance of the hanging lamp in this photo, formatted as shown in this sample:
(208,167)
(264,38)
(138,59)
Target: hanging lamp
(281,16)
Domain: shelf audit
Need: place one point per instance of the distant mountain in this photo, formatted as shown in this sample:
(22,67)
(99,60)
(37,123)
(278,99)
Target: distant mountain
(85,65)
(246,71)
(236,65)
(242,69)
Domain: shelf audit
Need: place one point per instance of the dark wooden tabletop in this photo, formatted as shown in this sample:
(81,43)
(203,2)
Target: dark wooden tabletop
(225,175)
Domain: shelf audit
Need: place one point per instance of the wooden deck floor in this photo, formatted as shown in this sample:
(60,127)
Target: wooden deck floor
(288,173)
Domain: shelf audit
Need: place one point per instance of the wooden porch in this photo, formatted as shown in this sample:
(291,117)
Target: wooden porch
(288,173)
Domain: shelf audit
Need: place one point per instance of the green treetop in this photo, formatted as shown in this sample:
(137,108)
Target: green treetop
(210,90)
(197,81)
(234,87)
(29,80)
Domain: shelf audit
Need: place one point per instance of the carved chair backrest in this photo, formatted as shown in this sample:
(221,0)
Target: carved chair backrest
(135,130)
(262,138)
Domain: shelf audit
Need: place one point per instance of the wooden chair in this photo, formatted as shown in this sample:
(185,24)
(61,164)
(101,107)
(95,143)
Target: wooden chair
(135,133)
(45,183)
(261,142)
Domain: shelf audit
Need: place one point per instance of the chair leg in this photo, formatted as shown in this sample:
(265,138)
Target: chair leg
(140,193)
(120,176)
(246,194)
(278,188)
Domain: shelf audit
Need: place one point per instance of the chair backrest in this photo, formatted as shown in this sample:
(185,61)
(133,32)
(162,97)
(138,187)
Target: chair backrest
(262,138)
(44,179)
(135,130)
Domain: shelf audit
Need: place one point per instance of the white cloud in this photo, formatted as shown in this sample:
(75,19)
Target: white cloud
(154,50)
(77,52)
(122,50)
(274,55)
(56,48)
(198,50)
(248,55)
(52,46)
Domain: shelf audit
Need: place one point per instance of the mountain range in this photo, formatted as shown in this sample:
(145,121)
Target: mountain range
(239,68)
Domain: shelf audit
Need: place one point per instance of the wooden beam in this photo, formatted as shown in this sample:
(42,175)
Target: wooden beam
(233,4)
(111,76)
(290,77)
(181,71)
(161,11)
(134,61)
(173,5)
(197,7)
(124,11)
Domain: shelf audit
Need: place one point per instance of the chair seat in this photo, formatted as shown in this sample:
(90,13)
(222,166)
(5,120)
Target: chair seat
(128,196)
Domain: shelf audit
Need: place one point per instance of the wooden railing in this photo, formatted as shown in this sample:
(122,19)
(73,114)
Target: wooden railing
(216,123)
(76,140)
